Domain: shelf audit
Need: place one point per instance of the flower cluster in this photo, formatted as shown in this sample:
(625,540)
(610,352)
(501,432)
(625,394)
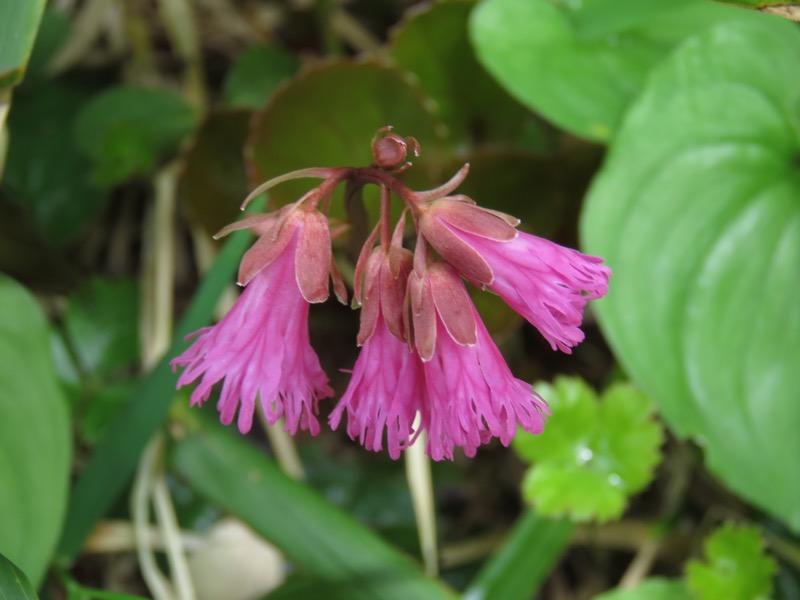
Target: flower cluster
(427,361)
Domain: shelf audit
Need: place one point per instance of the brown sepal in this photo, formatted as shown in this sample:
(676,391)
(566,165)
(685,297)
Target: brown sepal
(371,298)
(313,257)
(453,304)
(471,218)
(393,289)
(456,251)
(423,314)
(266,249)
(361,263)
(339,287)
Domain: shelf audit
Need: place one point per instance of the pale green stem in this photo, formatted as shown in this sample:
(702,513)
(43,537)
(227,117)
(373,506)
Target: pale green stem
(168,524)
(420,484)
(157,583)
(5,106)
(285,449)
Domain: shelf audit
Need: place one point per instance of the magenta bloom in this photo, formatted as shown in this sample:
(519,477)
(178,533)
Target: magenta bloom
(386,389)
(384,394)
(470,394)
(549,285)
(261,347)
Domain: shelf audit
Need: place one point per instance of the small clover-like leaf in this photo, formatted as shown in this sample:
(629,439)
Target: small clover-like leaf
(593,454)
(735,567)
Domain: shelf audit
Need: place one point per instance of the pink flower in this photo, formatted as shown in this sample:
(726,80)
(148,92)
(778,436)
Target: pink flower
(261,347)
(470,394)
(549,285)
(386,388)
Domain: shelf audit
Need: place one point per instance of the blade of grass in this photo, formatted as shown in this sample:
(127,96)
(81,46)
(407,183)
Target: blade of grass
(318,537)
(115,457)
(523,561)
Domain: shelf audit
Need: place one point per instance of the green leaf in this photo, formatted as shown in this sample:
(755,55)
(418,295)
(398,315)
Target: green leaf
(735,567)
(524,560)
(580,64)
(126,130)
(40,132)
(14,585)
(326,117)
(101,323)
(311,532)
(213,181)
(19,22)
(256,74)
(432,43)
(653,588)
(592,455)
(35,446)
(696,211)
(111,466)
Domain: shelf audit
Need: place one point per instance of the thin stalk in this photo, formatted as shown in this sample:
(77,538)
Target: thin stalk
(181,26)
(641,564)
(420,484)
(320,173)
(386,218)
(168,524)
(5,106)
(156,582)
(284,447)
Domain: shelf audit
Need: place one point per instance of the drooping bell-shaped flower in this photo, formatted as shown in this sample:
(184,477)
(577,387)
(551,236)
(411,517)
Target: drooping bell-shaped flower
(470,394)
(386,388)
(549,285)
(261,348)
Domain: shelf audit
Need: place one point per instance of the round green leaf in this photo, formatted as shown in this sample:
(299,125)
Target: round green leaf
(327,116)
(34,435)
(581,63)
(126,129)
(697,210)
(736,567)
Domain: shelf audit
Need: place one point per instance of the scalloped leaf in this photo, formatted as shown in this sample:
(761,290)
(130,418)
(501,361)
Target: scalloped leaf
(580,64)
(592,454)
(735,566)
(696,210)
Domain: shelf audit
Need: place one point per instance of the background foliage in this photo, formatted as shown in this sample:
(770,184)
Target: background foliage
(666,134)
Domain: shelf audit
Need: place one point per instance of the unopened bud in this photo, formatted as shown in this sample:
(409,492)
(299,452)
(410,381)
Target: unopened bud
(390,150)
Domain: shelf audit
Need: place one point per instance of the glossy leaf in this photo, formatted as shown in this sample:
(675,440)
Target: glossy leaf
(327,116)
(213,182)
(19,22)
(44,170)
(256,74)
(735,567)
(35,447)
(14,585)
(432,43)
(696,211)
(654,588)
(580,64)
(592,455)
(314,534)
(126,130)
(524,560)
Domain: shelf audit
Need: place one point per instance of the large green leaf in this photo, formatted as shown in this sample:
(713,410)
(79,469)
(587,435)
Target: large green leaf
(697,210)
(313,533)
(35,445)
(581,63)
(19,22)
(655,588)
